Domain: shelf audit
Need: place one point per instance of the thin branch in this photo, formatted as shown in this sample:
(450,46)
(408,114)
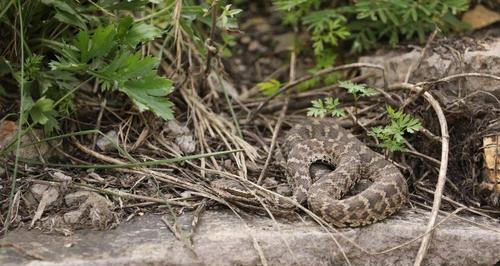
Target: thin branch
(422,55)
(209,43)
(323,72)
(20,123)
(21,250)
(116,193)
(445,79)
(442,170)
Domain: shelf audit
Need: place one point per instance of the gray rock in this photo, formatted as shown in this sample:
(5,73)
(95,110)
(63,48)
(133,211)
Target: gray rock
(223,239)
(441,60)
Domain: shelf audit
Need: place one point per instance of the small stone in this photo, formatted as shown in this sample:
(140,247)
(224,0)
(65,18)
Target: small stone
(254,46)
(184,139)
(59,176)
(186,143)
(245,39)
(105,143)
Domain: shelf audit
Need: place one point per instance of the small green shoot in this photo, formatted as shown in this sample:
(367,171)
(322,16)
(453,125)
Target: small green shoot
(269,87)
(357,90)
(227,20)
(391,136)
(320,108)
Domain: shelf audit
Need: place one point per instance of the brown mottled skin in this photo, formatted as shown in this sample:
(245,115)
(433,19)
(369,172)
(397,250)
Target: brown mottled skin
(325,141)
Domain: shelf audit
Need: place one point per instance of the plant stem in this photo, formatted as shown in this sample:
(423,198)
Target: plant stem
(20,124)
(136,164)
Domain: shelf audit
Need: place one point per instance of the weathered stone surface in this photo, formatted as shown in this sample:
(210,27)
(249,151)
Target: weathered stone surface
(223,239)
(443,59)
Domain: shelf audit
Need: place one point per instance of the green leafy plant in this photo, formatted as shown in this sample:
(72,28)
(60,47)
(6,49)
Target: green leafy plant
(68,44)
(357,90)
(227,20)
(327,28)
(364,23)
(392,135)
(320,108)
(108,55)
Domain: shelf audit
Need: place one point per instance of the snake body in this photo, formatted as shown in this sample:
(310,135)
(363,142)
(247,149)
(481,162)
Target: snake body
(325,141)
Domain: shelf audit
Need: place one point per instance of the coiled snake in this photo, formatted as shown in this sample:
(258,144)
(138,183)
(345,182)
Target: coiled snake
(324,140)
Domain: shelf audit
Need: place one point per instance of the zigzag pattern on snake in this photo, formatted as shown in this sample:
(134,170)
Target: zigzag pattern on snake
(325,141)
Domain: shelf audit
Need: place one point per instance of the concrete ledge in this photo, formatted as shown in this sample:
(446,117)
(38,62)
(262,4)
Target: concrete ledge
(222,239)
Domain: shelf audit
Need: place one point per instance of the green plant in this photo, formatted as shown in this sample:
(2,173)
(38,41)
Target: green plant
(364,23)
(320,108)
(108,54)
(327,27)
(227,19)
(269,87)
(68,44)
(391,135)
(357,91)
(329,105)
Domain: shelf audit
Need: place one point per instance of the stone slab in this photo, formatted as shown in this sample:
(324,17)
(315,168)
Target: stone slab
(223,239)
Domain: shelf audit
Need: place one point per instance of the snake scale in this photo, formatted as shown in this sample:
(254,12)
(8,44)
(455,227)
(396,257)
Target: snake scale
(325,141)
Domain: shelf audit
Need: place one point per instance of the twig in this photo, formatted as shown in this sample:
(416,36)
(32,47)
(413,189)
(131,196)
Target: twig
(445,79)
(457,203)
(255,243)
(117,193)
(177,33)
(21,250)
(209,43)
(423,156)
(462,75)
(98,121)
(20,122)
(278,123)
(230,105)
(470,221)
(442,169)
(422,55)
(273,141)
(325,71)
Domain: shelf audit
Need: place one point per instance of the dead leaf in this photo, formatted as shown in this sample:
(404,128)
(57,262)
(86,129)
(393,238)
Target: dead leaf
(8,133)
(47,194)
(480,17)
(7,130)
(491,155)
(213,83)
